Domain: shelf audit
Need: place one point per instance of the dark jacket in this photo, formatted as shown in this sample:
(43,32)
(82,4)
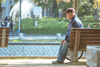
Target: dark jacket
(6,19)
(74,23)
(11,25)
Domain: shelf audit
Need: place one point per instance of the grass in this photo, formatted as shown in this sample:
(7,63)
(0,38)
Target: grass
(35,40)
(3,64)
(49,25)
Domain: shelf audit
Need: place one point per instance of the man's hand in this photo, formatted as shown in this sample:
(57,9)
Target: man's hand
(64,42)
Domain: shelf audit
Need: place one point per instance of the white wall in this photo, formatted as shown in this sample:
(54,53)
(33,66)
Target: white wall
(6,7)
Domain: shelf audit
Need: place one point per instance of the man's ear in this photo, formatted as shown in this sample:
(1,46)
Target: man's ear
(72,14)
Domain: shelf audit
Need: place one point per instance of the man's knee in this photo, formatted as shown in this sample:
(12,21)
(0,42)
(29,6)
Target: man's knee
(66,44)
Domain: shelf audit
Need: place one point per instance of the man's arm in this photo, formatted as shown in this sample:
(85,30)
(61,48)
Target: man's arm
(74,25)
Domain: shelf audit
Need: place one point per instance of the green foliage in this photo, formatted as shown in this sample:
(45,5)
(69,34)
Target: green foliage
(16,1)
(45,26)
(49,25)
(36,40)
(2,1)
(41,3)
(65,6)
(85,9)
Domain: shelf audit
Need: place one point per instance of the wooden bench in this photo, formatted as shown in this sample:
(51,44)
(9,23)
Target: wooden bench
(79,38)
(4,36)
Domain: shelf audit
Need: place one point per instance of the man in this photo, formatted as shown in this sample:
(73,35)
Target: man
(0,22)
(74,22)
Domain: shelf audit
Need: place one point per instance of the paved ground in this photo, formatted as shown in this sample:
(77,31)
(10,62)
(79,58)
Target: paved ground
(36,63)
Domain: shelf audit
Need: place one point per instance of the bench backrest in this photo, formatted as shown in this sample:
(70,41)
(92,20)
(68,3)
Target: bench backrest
(82,37)
(4,36)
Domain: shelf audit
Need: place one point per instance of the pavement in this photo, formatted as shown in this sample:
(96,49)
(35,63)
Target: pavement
(37,63)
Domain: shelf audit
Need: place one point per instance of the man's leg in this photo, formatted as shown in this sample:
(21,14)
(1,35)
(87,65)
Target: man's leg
(63,52)
(60,50)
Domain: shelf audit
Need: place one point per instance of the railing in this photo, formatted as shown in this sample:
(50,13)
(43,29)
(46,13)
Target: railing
(31,49)
(34,43)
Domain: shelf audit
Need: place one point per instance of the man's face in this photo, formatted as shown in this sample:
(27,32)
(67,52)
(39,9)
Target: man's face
(69,16)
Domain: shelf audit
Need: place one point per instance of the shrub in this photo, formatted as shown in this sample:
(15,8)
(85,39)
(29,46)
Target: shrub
(85,9)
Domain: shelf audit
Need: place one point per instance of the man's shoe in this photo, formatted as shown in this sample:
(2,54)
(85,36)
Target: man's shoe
(57,62)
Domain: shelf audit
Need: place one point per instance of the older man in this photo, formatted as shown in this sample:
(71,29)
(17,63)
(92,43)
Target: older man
(74,22)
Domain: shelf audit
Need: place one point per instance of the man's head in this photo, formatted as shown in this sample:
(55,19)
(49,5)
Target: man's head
(70,12)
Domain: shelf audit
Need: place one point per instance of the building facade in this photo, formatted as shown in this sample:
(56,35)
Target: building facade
(6,7)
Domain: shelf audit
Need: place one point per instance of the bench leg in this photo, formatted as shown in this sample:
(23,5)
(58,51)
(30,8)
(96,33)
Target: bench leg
(73,57)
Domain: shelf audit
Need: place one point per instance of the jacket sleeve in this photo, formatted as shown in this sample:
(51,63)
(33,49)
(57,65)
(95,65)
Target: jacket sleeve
(68,39)
(67,36)
(74,25)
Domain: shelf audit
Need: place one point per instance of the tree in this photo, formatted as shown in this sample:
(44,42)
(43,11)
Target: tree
(16,1)
(75,5)
(2,1)
(0,7)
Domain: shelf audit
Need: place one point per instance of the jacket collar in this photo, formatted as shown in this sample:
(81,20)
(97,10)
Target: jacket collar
(72,18)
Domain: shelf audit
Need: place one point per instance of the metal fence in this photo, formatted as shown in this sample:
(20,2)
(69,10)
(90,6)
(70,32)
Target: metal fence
(38,34)
(31,49)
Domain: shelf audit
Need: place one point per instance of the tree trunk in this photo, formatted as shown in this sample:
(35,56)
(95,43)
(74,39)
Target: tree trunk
(61,9)
(75,6)
(0,7)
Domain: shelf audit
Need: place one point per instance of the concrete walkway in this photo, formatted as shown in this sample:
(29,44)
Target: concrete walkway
(37,63)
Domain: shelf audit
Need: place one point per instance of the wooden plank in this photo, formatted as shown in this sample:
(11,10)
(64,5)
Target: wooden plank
(81,45)
(6,32)
(89,35)
(87,40)
(90,43)
(3,38)
(76,46)
(6,43)
(80,49)
(92,33)
(85,29)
